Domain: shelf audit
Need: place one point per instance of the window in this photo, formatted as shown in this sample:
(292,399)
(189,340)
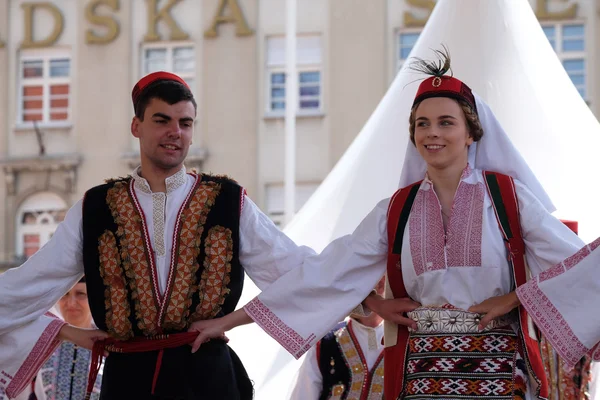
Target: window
(406,42)
(177,58)
(568,41)
(276,200)
(37,219)
(44,88)
(309,70)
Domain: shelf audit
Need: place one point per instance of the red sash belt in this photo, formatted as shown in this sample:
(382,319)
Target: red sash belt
(136,345)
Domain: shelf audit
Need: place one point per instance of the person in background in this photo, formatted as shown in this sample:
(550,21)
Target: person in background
(347,363)
(65,374)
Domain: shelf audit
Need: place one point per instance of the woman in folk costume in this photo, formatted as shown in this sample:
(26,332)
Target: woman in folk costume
(444,239)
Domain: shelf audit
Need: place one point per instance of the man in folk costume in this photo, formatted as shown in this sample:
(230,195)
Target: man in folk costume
(347,363)
(160,249)
(468,216)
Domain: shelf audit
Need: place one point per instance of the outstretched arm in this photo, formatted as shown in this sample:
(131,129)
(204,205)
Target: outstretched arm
(309,299)
(28,335)
(81,337)
(563,303)
(266,253)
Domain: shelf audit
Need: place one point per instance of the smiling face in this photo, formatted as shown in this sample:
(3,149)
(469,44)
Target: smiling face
(75,308)
(165,134)
(441,133)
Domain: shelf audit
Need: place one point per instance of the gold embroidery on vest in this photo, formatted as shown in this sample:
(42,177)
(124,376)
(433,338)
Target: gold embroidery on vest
(360,374)
(115,295)
(216,275)
(135,257)
(187,250)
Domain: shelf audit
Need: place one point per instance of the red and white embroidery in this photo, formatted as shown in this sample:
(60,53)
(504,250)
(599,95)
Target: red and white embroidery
(465,227)
(551,322)
(565,265)
(426,232)
(594,245)
(242,199)
(462,241)
(176,231)
(41,351)
(147,242)
(291,340)
(551,272)
(595,353)
(576,258)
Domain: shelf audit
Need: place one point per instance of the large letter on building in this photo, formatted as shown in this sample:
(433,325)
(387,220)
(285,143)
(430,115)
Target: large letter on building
(154,16)
(29,9)
(111,24)
(410,19)
(541,11)
(236,16)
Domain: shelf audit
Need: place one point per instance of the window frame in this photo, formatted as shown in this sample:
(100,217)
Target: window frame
(571,55)
(46,81)
(170,48)
(269,112)
(400,61)
(300,111)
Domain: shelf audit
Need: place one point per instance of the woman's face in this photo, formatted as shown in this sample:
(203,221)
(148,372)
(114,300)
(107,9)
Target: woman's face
(74,306)
(441,133)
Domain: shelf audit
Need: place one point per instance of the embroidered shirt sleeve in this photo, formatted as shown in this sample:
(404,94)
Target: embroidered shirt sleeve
(266,253)
(547,240)
(566,321)
(47,275)
(325,287)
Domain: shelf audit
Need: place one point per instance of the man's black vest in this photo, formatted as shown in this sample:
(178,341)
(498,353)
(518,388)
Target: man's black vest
(205,281)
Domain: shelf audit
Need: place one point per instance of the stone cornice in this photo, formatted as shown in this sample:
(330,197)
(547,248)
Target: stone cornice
(63,163)
(58,162)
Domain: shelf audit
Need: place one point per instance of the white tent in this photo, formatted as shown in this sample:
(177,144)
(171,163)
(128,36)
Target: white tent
(499,49)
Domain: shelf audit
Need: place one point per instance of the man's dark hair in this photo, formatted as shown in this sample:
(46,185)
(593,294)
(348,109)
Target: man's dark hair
(170,92)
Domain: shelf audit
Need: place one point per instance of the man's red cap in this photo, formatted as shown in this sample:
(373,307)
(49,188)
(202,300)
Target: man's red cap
(445,86)
(151,78)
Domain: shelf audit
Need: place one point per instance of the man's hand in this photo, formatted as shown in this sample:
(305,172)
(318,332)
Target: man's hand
(393,309)
(208,329)
(495,307)
(81,337)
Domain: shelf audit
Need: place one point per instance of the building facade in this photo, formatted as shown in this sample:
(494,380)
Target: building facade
(67,68)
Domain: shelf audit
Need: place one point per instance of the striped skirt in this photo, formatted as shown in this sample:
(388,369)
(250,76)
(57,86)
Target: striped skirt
(448,358)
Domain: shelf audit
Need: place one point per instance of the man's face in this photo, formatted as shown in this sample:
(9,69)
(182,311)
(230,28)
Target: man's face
(165,134)
(75,308)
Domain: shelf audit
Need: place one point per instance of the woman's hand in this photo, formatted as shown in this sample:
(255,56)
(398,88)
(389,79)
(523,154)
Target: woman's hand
(208,329)
(81,337)
(495,307)
(393,310)
(216,328)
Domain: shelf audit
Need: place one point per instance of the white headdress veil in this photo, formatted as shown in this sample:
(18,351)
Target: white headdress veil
(493,152)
